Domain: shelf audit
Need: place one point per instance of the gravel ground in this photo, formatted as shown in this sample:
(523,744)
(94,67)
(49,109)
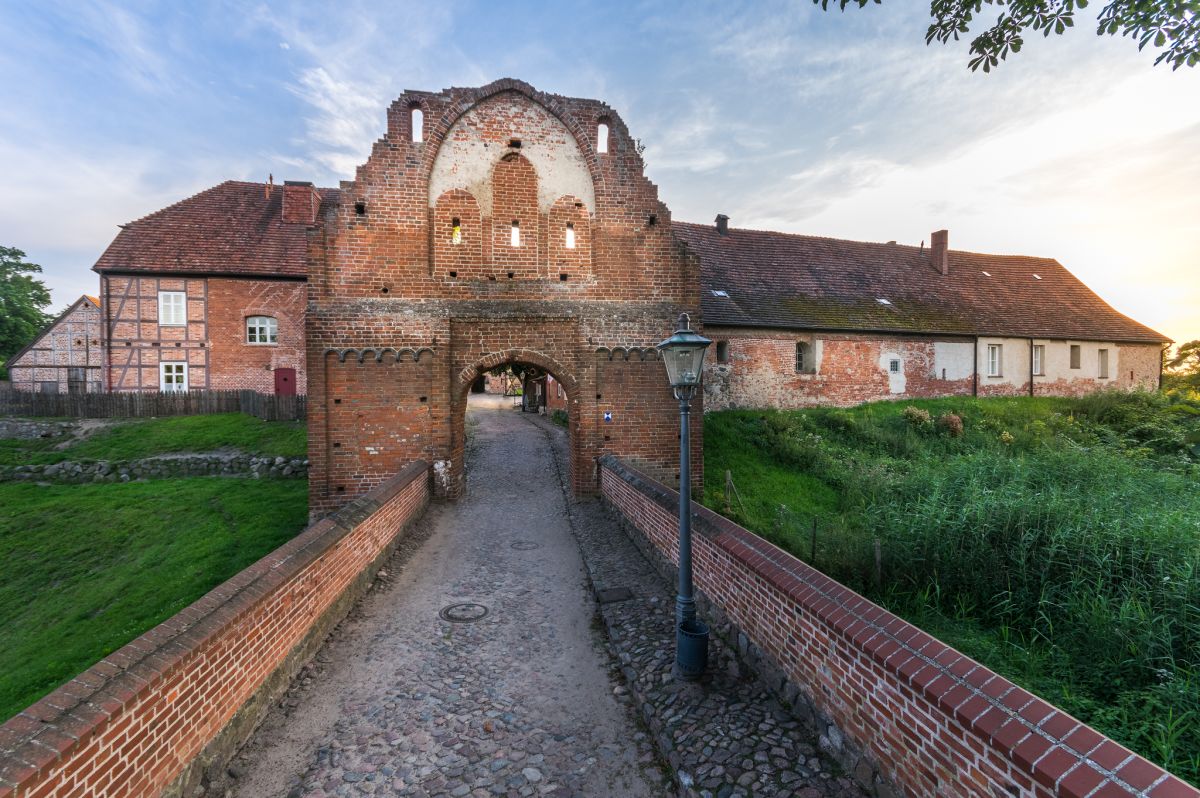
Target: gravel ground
(525,701)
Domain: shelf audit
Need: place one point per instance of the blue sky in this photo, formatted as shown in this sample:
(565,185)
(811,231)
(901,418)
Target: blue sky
(776,113)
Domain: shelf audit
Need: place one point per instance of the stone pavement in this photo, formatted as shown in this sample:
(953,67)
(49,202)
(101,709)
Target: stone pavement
(523,702)
(724,736)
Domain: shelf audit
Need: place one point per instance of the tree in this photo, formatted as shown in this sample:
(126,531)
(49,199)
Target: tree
(1183,368)
(1170,24)
(23,299)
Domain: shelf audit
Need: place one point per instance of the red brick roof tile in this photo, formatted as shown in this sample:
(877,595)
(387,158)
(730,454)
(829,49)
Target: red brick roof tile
(805,282)
(233,228)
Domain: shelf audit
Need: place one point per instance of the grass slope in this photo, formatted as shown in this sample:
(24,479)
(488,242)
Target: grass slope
(1055,540)
(134,440)
(86,568)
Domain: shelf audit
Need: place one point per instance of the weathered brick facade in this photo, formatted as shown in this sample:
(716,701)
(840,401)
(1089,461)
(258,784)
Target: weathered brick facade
(67,357)
(751,367)
(407,308)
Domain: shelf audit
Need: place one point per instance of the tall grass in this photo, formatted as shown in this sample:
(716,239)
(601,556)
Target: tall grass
(1057,540)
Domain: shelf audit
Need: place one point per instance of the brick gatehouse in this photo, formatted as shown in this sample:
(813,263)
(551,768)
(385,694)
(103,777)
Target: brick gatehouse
(491,226)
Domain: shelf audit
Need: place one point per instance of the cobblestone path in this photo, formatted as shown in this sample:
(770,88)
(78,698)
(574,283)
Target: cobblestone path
(523,702)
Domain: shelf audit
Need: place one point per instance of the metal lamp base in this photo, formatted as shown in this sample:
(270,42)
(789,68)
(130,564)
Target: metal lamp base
(691,649)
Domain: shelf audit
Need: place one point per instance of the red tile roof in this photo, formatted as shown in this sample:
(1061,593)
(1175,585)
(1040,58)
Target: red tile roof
(230,229)
(94,300)
(805,282)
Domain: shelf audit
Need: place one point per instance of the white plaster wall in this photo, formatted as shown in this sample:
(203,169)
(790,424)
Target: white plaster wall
(955,358)
(896,380)
(480,138)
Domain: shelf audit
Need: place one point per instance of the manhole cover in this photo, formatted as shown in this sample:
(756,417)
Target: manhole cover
(525,545)
(463,613)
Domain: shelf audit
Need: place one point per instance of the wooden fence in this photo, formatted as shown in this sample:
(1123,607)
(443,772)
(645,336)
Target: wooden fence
(140,404)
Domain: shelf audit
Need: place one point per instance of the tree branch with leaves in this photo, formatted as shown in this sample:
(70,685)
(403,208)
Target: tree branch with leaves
(1172,26)
(23,299)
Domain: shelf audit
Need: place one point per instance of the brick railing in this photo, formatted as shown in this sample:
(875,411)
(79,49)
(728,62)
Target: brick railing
(927,718)
(154,715)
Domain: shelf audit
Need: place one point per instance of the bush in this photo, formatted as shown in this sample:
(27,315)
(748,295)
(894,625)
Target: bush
(952,424)
(917,416)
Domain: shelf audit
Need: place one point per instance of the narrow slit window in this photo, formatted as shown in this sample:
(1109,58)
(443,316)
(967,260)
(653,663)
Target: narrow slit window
(1039,360)
(994,360)
(418,125)
(515,238)
(602,138)
(570,235)
(1076,356)
(722,351)
(455,231)
(1102,365)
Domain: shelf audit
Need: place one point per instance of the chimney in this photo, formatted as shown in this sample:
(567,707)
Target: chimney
(722,224)
(939,251)
(300,202)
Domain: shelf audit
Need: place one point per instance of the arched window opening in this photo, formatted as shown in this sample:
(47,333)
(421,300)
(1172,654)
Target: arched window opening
(602,138)
(515,238)
(570,235)
(418,125)
(262,330)
(455,231)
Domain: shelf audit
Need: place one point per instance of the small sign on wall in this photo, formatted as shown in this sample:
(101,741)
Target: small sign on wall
(607,416)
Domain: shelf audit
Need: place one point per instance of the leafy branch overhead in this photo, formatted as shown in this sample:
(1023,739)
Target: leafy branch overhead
(1172,26)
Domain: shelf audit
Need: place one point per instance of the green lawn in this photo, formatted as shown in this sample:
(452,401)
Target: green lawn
(1055,540)
(86,568)
(132,440)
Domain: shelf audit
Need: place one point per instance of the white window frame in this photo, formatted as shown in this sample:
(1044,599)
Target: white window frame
(162,376)
(1102,364)
(894,365)
(995,360)
(168,303)
(266,325)
(1039,360)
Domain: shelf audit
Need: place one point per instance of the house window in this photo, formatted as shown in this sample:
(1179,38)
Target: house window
(995,360)
(1039,360)
(1075,356)
(570,235)
(455,231)
(1102,365)
(172,308)
(804,358)
(515,238)
(894,366)
(262,330)
(172,377)
(722,351)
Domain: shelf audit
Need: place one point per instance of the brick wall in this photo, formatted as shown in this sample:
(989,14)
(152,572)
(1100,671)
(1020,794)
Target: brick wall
(927,718)
(385,274)
(73,341)
(154,715)
(237,364)
(760,368)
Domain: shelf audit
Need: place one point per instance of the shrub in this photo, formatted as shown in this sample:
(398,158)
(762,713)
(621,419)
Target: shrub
(917,416)
(952,424)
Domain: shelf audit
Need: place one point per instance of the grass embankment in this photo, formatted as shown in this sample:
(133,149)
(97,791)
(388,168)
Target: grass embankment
(1055,540)
(134,440)
(86,568)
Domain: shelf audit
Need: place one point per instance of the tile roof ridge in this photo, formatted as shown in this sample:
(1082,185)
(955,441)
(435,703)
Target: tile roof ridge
(813,237)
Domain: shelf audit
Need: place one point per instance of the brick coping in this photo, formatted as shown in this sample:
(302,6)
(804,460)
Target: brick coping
(1056,750)
(54,727)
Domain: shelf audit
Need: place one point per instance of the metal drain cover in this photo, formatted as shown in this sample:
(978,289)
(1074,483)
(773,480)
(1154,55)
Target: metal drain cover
(525,545)
(463,613)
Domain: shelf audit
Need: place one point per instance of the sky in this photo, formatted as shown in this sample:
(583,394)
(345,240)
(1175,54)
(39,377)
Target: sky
(780,115)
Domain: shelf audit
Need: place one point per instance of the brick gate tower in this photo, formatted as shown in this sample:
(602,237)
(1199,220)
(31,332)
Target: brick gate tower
(491,226)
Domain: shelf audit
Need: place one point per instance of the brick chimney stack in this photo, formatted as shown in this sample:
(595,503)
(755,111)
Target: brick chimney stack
(939,251)
(722,224)
(300,202)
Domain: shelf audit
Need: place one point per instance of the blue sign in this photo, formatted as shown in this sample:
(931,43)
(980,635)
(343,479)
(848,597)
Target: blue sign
(607,416)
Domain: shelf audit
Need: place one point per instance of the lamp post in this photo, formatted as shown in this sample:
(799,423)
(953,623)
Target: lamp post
(683,355)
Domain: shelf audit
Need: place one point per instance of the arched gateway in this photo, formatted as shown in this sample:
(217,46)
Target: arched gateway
(490,226)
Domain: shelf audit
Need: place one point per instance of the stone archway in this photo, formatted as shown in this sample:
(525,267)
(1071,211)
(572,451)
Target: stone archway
(453,474)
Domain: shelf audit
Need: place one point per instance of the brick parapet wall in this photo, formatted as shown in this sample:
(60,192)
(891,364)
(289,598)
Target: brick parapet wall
(150,718)
(928,718)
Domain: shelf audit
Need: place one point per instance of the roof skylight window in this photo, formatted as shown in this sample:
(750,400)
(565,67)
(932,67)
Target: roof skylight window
(987,274)
(720,292)
(1037,276)
(883,301)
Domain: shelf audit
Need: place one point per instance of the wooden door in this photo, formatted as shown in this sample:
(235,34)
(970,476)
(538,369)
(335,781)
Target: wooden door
(285,382)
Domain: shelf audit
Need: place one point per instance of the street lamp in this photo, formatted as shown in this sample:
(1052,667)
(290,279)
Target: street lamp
(683,355)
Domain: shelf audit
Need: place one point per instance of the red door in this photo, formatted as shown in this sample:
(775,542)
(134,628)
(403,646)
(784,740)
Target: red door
(285,382)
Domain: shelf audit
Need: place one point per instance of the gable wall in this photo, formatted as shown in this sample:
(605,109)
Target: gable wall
(74,341)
